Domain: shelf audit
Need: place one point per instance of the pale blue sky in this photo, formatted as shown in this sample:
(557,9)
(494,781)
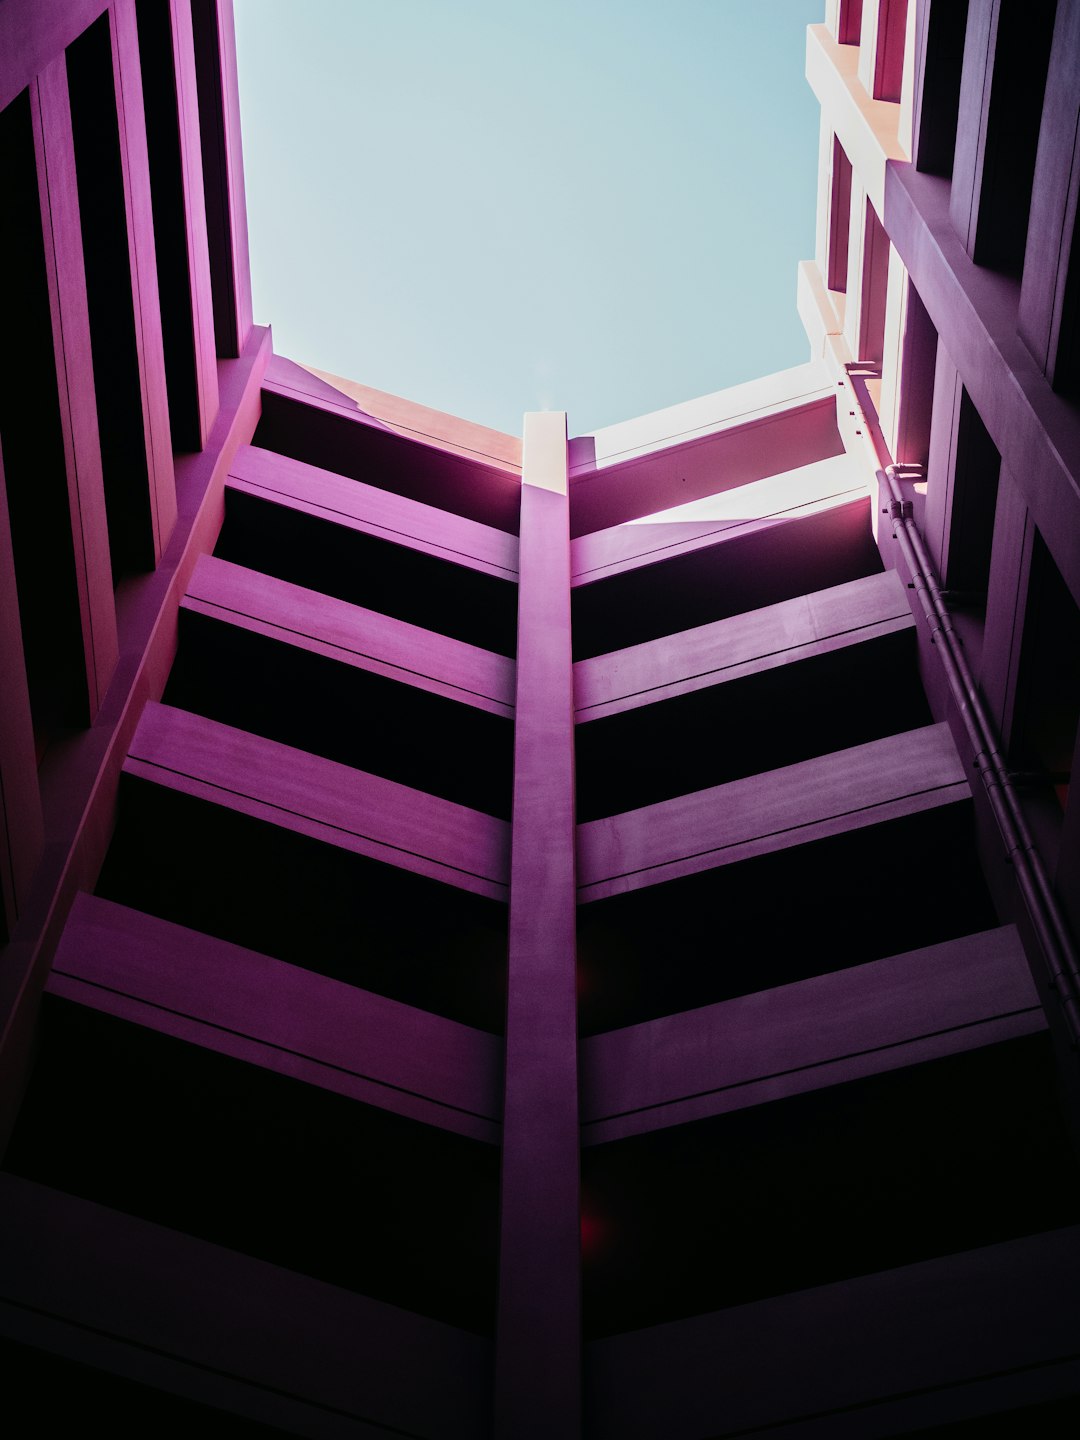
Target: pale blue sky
(492,206)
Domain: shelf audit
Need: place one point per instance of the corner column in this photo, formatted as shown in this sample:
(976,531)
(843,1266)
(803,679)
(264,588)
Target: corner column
(538,1337)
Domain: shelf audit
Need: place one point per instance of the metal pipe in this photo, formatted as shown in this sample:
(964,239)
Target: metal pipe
(1043,908)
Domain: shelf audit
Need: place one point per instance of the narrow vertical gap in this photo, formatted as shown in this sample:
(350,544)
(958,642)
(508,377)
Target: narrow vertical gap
(849,24)
(839,218)
(889,60)
(170,220)
(110,302)
(204,19)
(33,441)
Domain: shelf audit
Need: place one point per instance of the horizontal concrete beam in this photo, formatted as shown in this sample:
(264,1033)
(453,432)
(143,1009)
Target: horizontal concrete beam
(373,511)
(32,34)
(326,1033)
(700,418)
(741,645)
(351,635)
(755,447)
(330,802)
(822,1031)
(909,1332)
(405,417)
(741,510)
(320,424)
(171,1311)
(847,790)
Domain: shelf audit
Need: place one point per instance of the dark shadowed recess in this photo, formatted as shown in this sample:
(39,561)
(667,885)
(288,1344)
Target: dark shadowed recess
(741,572)
(102,213)
(744,727)
(920,1162)
(170,221)
(372,723)
(805,911)
(334,560)
(263,1164)
(378,456)
(282,894)
(1050,1421)
(62,1394)
(33,457)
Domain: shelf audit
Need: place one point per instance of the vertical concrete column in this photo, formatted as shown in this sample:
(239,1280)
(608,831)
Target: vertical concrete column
(1053,238)
(202,296)
(142,257)
(538,1340)
(21,831)
(54,152)
(223,173)
(941,464)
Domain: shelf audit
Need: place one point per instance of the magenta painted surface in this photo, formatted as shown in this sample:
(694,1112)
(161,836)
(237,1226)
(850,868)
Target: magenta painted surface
(163,1307)
(538,1363)
(865,785)
(728,1053)
(325,1032)
(601,497)
(280,1344)
(901,1331)
(321,798)
(131,120)
(375,511)
(55,154)
(352,635)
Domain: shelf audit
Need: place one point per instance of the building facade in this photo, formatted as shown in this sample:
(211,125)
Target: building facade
(544,937)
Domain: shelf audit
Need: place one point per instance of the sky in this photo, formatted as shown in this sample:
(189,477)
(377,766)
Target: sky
(493,206)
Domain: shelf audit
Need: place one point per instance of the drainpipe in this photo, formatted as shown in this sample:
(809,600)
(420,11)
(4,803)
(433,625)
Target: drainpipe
(1044,911)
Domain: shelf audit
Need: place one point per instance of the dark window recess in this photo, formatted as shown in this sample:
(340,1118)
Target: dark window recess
(432,743)
(939,98)
(204,21)
(1021,59)
(1052,1417)
(261,1163)
(658,950)
(1044,729)
(849,22)
(839,217)
(852,1179)
(422,589)
(891,40)
(309,903)
(109,298)
(975,488)
(33,449)
(60,1393)
(170,220)
(746,571)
